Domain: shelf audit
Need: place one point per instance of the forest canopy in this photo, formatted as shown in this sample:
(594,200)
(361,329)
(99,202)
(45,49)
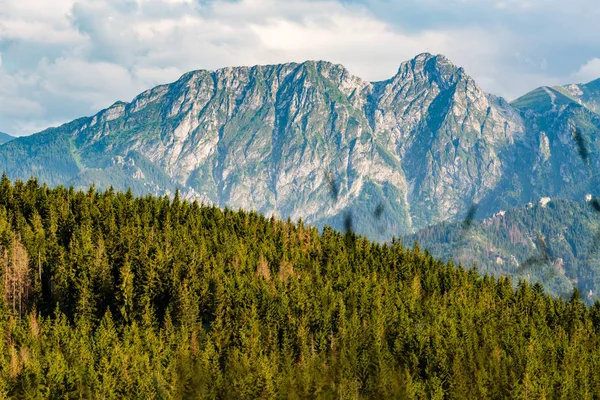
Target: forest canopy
(107,295)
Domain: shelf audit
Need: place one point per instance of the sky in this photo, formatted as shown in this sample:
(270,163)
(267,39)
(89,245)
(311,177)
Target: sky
(64,59)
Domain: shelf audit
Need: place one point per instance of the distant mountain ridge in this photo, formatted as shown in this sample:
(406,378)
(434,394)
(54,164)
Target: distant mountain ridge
(507,242)
(4,137)
(586,95)
(422,145)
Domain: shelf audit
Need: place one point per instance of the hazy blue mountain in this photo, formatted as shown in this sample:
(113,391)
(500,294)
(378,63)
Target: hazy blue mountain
(420,147)
(5,138)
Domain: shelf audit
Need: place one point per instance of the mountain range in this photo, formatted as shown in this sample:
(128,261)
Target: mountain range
(313,141)
(553,241)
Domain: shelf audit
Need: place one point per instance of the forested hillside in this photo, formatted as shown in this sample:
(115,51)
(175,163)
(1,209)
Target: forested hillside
(503,244)
(107,295)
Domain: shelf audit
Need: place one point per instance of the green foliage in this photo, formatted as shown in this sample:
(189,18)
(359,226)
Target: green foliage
(499,245)
(30,155)
(156,298)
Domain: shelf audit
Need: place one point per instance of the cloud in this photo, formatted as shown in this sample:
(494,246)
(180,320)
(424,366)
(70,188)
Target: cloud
(63,59)
(588,71)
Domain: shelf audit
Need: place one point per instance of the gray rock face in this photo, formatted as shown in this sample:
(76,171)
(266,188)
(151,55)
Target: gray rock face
(551,160)
(587,95)
(448,134)
(424,144)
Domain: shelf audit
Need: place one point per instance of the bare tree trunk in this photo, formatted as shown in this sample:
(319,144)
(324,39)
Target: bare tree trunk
(14,286)
(16,278)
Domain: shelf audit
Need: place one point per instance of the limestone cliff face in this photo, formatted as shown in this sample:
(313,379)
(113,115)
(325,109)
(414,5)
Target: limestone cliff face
(448,133)
(424,144)
(587,95)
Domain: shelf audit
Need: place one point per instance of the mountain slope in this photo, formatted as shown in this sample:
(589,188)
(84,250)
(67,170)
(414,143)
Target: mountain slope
(543,100)
(421,146)
(503,244)
(5,138)
(587,94)
(448,133)
(546,97)
(553,162)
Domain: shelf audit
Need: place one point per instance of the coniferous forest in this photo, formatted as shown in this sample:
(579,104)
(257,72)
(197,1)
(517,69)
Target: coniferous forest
(107,295)
(503,244)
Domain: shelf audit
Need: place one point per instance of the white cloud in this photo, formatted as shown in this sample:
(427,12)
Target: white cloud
(588,71)
(38,31)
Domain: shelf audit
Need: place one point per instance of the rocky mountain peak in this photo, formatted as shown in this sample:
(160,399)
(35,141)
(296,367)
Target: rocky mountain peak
(424,144)
(427,68)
